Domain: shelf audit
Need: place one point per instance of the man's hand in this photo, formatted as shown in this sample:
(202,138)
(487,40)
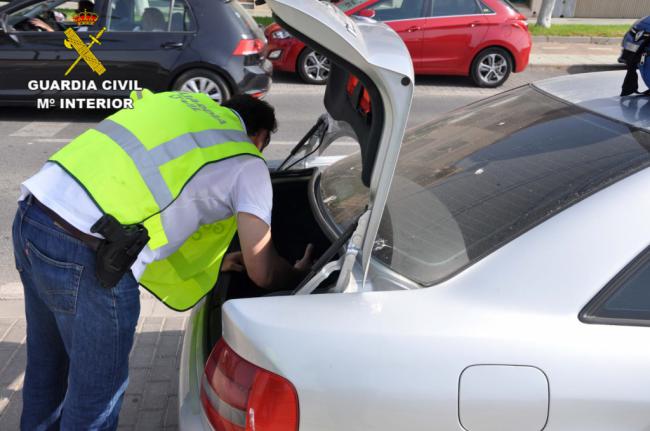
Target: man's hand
(304,265)
(39,23)
(233,262)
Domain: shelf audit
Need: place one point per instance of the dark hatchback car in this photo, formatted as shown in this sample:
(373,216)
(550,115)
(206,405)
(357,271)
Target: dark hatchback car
(210,46)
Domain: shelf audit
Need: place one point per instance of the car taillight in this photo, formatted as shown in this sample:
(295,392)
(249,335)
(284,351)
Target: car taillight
(248,47)
(239,396)
(352,84)
(364,103)
(519,23)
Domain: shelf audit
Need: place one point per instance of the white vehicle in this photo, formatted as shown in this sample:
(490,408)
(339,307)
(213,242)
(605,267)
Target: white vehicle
(494,277)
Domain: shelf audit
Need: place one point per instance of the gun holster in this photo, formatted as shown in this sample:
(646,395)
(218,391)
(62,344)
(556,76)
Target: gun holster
(119,249)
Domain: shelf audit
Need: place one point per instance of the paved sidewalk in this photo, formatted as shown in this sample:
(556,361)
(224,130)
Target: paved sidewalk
(151,400)
(571,55)
(586,21)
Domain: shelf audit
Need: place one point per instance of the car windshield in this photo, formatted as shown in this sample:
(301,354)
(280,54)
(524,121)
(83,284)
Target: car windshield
(475,180)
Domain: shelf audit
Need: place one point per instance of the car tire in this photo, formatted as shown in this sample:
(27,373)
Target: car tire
(313,67)
(203,81)
(491,67)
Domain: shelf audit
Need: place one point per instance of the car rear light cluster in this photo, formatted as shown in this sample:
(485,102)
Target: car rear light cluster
(364,101)
(249,47)
(519,22)
(239,396)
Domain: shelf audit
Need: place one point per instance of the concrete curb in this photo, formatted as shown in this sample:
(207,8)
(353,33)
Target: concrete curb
(578,39)
(578,68)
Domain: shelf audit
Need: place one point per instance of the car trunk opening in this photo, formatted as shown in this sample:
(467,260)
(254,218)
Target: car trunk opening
(369,92)
(293,227)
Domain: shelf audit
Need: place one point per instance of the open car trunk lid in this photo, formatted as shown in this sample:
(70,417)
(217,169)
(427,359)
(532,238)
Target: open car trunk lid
(370,88)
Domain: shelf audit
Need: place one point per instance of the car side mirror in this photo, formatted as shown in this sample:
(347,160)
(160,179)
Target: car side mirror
(368,13)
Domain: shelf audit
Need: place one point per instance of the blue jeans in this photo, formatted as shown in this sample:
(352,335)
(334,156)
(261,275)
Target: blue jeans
(79,334)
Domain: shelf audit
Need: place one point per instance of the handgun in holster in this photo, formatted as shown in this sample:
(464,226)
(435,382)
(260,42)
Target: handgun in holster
(119,249)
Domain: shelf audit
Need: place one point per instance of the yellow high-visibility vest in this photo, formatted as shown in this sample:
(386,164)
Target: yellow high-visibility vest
(135,163)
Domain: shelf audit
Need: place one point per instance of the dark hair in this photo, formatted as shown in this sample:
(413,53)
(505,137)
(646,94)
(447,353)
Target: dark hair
(85,5)
(256,114)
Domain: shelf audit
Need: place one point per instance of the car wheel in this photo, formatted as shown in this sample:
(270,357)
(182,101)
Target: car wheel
(491,68)
(313,67)
(203,81)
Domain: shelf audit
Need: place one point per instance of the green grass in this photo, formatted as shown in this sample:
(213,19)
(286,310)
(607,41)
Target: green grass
(263,20)
(580,30)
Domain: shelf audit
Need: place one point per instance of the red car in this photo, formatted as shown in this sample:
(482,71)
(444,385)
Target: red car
(484,39)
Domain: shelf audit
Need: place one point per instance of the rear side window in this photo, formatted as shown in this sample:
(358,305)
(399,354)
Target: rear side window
(626,300)
(455,7)
(393,10)
(181,18)
(470,183)
(154,16)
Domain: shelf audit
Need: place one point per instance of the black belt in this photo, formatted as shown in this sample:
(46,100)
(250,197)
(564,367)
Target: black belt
(91,241)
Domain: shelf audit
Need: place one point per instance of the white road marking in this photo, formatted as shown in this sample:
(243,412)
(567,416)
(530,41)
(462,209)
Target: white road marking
(603,48)
(40,129)
(554,48)
(54,140)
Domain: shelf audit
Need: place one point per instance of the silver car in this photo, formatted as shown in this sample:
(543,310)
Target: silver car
(493,277)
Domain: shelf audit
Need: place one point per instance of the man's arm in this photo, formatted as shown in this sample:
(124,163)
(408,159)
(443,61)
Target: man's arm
(265,267)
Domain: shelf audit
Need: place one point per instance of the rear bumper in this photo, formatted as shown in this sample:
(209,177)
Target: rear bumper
(190,411)
(256,80)
(522,45)
(522,59)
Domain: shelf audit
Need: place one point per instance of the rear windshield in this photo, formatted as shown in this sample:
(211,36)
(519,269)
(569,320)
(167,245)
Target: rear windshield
(249,26)
(509,4)
(477,179)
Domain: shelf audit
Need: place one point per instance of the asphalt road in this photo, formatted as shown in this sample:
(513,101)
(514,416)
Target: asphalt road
(29,136)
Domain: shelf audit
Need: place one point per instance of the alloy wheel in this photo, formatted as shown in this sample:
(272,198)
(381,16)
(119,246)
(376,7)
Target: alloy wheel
(317,66)
(201,84)
(493,68)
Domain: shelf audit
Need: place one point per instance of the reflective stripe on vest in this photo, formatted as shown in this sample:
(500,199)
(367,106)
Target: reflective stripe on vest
(135,164)
(148,162)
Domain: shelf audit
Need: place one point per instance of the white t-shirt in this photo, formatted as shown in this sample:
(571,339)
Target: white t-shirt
(218,191)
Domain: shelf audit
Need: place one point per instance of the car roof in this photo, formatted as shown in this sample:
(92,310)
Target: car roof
(599,92)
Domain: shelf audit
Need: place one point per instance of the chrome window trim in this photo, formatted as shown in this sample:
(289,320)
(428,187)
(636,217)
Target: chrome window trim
(442,16)
(429,15)
(478,3)
(456,16)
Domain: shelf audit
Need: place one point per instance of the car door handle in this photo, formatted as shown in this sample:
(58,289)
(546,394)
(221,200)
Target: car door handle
(168,45)
(414,28)
(475,23)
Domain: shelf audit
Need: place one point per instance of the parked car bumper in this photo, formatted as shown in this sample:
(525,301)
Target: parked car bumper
(522,58)
(253,79)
